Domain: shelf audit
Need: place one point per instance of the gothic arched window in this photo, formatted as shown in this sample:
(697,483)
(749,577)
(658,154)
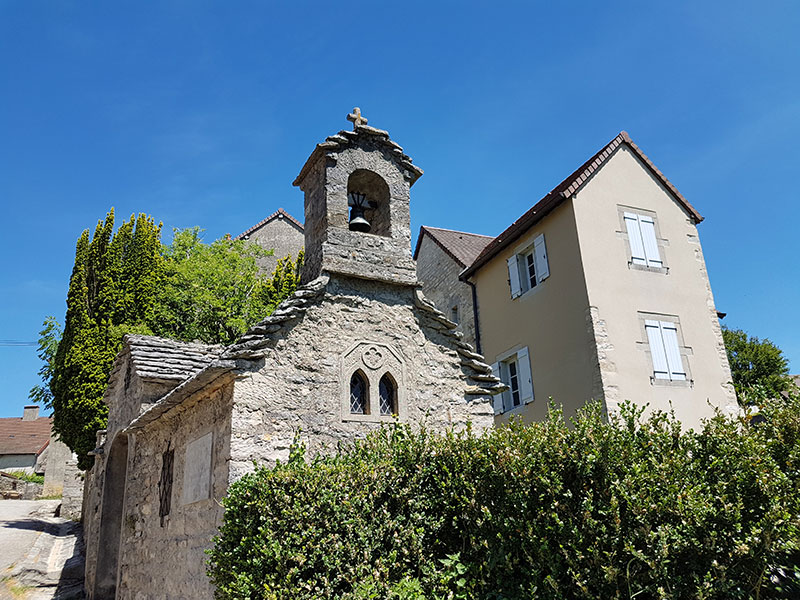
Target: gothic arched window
(359,394)
(387,390)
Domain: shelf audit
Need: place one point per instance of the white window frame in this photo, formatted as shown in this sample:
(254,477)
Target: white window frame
(666,350)
(644,244)
(520,278)
(514,369)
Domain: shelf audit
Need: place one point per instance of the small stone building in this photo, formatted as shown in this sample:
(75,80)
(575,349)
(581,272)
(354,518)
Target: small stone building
(441,256)
(279,232)
(356,347)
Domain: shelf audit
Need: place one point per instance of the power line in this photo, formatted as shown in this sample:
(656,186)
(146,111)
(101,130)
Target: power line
(16,343)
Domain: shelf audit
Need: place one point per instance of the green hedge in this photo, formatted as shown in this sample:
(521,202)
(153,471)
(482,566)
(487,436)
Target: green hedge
(634,509)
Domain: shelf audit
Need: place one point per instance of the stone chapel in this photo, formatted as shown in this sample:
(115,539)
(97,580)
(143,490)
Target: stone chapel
(355,347)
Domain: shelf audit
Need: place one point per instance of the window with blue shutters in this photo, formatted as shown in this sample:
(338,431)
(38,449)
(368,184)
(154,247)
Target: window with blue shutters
(643,242)
(515,371)
(528,268)
(666,351)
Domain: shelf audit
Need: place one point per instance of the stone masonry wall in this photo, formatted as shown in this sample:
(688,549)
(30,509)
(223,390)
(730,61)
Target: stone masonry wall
(281,236)
(168,562)
(437,272)
(301,384)
(57,456)
(330,245)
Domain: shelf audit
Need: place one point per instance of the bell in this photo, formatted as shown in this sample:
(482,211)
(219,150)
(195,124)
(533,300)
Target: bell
(359,203)
(359,224)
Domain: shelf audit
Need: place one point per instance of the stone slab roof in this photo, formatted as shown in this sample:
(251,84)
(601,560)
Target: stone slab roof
(567,189)
(345,139)
(278,213)
(462,247)
(160,359)
(24,437)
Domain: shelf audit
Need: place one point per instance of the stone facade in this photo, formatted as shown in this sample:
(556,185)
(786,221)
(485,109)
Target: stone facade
(361,160)
(279,232)
(58,455)
(186,420)
(440,256)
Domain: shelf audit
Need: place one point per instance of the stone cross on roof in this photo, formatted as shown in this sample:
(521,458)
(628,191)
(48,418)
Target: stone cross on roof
(356,118)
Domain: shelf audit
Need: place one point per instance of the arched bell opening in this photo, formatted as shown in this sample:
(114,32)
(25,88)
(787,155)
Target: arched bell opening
(368,199)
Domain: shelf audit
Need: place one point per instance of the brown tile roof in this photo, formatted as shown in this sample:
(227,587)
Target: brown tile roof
(565,190)
(263,222)
(462,247)
(24,437)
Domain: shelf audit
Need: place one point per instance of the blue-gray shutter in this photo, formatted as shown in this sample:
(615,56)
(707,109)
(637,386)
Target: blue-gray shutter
(651,253)
(638,256)
(540,255)
(657,351)
(513,276)
(524,375)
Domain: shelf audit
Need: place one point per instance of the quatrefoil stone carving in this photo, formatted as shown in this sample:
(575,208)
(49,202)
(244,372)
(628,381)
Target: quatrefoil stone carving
(373,358)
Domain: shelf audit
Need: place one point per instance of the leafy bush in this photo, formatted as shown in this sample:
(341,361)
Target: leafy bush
(630,509)
(24,476)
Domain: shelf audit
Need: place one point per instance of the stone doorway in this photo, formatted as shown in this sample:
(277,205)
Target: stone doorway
(113,504)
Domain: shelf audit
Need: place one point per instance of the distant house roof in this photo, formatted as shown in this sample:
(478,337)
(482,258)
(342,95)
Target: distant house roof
(24,437)
(462,247)
(280,212)
(565,190)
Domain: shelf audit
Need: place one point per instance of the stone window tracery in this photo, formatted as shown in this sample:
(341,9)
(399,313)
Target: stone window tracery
(372,383)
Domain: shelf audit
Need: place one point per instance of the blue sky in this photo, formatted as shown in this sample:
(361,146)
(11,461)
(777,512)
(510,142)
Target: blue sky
(202,113)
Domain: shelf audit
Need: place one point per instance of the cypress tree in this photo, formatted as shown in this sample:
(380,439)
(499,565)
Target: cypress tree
(110,294)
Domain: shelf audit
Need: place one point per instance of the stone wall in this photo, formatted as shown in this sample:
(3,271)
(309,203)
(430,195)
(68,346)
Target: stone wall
(11,485)
(300,385)
(167,561)
(330,245)
(72,495)
(437,272)
(57,456)
(280,235)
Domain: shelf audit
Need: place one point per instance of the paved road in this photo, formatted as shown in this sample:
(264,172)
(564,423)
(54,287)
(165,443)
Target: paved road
(18,529)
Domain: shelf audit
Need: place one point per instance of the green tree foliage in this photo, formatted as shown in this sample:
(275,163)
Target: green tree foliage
(111,292)
(755,363)
(214,292)
(632,509)
(128,282)
(49,337)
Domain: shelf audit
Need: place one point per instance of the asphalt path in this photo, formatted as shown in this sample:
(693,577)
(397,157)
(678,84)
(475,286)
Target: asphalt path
(19,529)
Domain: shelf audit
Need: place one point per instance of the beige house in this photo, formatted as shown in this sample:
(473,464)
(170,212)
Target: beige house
(441,255)
(600,291)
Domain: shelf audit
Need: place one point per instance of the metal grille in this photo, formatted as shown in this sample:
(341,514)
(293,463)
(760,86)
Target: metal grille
(386,390)
(165,484)
(358,395)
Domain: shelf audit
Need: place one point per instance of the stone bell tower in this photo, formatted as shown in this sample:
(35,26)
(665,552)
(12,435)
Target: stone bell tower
(357,222)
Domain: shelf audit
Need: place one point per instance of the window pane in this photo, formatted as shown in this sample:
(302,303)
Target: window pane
(531,263)
(513,382)
(358,394)
(387,396)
